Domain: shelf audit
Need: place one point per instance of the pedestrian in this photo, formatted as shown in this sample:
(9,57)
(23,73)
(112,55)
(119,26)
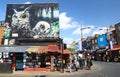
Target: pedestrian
(108,58)
(71,65)
(80,62)
(75,63)
(88,63)
(115,59)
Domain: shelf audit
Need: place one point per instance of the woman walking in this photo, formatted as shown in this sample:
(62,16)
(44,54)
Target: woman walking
(89,63)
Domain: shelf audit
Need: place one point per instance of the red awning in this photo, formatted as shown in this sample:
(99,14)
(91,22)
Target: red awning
(53,48)
(65,52)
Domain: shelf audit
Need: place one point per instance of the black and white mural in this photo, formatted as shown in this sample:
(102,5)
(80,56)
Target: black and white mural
(33,20)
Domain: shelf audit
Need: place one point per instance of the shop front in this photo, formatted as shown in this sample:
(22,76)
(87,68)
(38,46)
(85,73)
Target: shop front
(13,55)
(100,54)
(114,54)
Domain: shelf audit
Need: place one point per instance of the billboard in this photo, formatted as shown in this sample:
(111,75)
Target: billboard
(33,20)
(102,41)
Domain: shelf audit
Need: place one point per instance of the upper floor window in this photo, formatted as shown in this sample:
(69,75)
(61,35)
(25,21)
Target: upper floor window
(92,41)
(95,40)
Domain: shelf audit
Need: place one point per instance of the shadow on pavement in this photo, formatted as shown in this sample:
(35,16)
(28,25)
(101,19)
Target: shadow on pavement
(40,76)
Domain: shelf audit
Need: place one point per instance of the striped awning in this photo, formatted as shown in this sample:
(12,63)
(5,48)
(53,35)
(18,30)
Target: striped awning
(37,49)
(53,48)
(32,49)
(65,52)
(43,49)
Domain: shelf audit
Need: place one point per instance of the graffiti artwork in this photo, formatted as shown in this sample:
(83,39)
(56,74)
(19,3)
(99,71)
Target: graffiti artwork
(33,20)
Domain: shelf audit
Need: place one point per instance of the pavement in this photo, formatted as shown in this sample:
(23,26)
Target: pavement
(43,74)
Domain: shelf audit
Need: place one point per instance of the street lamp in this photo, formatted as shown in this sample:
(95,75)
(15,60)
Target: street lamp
(80,42)
(104,29)
(82,33)
(61,46)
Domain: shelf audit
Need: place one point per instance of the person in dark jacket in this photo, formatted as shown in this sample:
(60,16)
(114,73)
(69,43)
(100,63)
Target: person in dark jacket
(89,63)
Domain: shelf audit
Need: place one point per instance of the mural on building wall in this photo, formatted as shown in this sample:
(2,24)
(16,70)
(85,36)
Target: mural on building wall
(7,31)
(33,20)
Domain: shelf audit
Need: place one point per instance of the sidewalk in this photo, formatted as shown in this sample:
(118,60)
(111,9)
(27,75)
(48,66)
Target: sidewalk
(43,74)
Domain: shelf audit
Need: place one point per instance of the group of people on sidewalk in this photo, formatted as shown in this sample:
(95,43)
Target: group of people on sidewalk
(80,63)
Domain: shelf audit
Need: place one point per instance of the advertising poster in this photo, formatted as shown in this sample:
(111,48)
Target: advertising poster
(33,20)
(102,41)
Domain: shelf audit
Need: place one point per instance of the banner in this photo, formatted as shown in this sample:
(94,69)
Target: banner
(80,45)
(111,45)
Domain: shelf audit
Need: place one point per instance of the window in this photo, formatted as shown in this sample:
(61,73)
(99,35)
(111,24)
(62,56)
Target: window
(5,55)
(92,41)
(95,40)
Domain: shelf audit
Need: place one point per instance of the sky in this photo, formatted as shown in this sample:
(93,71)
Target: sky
(96,14)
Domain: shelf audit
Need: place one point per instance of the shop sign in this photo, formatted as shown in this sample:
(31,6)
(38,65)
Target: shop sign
(102,42)
(6,41)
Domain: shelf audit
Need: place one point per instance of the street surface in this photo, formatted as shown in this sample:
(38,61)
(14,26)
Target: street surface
(99,69)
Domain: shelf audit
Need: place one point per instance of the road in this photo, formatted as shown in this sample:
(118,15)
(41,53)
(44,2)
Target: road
(99,69)
(104,69)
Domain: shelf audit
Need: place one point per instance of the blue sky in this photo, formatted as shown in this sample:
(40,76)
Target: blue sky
(74,13)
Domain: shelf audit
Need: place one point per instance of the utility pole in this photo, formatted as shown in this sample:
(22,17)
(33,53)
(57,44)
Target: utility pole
(81,33)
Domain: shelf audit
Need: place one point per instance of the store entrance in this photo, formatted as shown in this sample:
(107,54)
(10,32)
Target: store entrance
(35,60)
(19,61)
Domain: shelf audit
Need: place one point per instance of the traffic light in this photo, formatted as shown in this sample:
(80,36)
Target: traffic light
(65,46)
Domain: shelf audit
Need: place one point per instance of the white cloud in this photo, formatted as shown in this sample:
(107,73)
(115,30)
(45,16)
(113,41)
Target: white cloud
(68,41)
(66,22)
(100,30)
(27,3)
(84,31)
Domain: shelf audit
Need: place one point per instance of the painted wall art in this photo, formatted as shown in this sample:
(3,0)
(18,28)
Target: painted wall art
(38,20)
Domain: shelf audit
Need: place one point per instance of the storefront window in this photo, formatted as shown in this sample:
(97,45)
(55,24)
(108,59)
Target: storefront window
(5,55)
(0,55)
(36,60)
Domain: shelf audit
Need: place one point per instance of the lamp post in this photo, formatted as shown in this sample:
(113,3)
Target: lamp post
(104,29)
(61,46)
(82,31)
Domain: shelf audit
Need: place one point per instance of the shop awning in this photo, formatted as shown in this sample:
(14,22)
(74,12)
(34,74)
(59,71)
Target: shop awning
(53,48)
(101,50)
(66,52)
(13,48)
(32,49)
(43,49)
(115,49)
